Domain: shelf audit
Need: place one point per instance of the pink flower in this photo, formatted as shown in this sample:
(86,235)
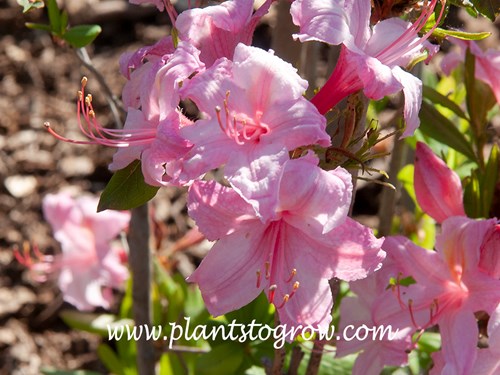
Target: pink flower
(255,114)
(151,133)
(217,30)
(371,59)
(290,257)
(487,66)
(438,189)
(450,287)
(89,265)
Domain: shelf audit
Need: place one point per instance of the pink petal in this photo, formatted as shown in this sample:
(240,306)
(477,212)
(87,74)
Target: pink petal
(216,30)
(358,12)
(227,276)
(489,261)
(459,334)
(302,194)
(437,187)
(217,210)
(412,90)
(461,239)
(321,20)
(255,176)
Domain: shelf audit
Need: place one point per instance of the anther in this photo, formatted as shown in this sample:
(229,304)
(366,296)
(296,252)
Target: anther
(292,274)
(84,81)
(286,297)
(268,270)
(258,279)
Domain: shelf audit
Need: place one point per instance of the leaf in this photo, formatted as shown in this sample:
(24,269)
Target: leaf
(110,360)
(472,196)
(479,99)
(438,127)
(81,35)
(443,33)
(38,26)
(489,180)
(222,360)
(126,189)
(54,17)
(488,8)
(438,98)
(90,322)
(29,5)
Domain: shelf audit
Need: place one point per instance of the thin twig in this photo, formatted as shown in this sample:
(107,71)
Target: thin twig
(116,107)
(140,266)
(279,353)
(315,359)
(389,196)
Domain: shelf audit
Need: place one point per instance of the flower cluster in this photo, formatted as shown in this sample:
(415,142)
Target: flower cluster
(448,286)
(280,222)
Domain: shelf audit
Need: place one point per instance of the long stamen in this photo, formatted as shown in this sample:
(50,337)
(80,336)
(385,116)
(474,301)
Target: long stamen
(96,133)
(410,308)
(407,42)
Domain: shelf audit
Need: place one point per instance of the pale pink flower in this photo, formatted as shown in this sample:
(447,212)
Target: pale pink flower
(487,66)
(489,260)
(151,133)
(89,266)
(255,114)
(371,58)
(217,30)
(291,257)
(450,288)
(438,189)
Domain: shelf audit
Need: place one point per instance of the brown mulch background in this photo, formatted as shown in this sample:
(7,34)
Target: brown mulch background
(38,82)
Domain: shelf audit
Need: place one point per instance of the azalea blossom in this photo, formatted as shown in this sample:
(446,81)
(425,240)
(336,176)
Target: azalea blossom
(217,30)
(437,188)
(370,58)
(487,66)
(291,257)
(255,115)
(89,265)
(151,131)
(450,287)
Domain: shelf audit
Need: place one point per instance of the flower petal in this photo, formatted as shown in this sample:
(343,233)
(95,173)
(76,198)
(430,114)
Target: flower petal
(438,189)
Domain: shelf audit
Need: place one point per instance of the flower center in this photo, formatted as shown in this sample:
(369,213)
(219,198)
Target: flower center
(241,128)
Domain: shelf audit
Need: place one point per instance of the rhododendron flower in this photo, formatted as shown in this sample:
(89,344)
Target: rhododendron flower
(151,133)
(437,188)
(89,266)
(217,30)
(371,58)
(290,257)
(256,114)
(450,287)
(487,66)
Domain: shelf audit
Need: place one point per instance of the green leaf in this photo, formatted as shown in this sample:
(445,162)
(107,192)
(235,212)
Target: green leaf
(64,21)
(472,196)
(488,8)
(90,322)
(29,5)
(126,189)
(479,99)
(438,98)
(38,26)
(438,127)
(81,35)
(489,180)
(54,17)
(222,360)
(110,360)
(443,33)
